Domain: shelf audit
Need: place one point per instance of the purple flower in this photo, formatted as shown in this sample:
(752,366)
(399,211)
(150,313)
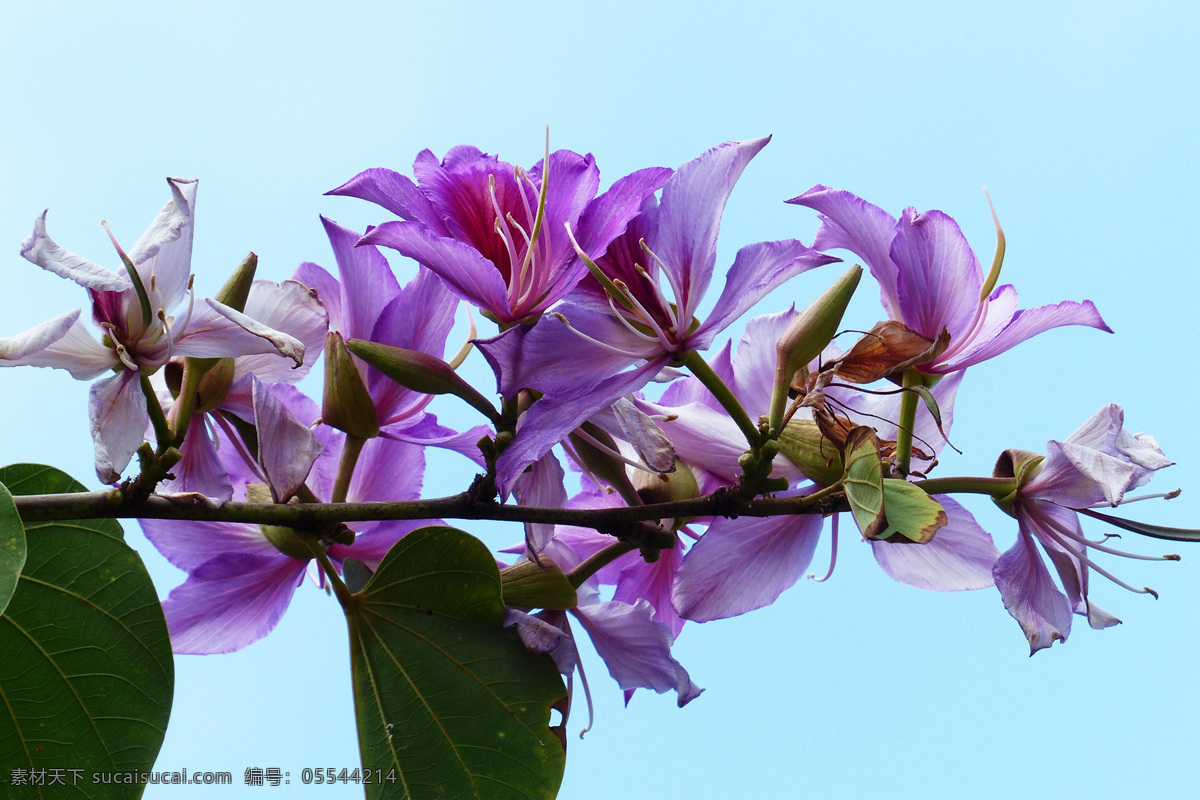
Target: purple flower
(931,280)
(577,357)
(140,332)
(497,233)
(241,577)
(1096,465)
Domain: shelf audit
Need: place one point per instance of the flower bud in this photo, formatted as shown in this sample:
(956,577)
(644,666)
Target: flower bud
(807,336)
(678,485)
(347,405)
(598,457)
(237,288)
(284,539)
(802,443)
(528,584)
(420,372)
(214,384)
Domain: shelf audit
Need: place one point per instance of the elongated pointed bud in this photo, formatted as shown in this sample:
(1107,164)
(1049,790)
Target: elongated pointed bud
(420,372)
(807,336)
(347,405)
(1019,464)
(237,289)
(802,443)
(214,384)
(528,584)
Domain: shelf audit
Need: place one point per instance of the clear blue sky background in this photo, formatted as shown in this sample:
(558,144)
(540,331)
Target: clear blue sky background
(1080,117)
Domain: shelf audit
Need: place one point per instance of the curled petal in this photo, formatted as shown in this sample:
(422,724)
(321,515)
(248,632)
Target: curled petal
(118,412)
(1030,595)
(286,447)
(163,254)
(39,248)
(636,648)
(218,331)
(63,343)
(289,308)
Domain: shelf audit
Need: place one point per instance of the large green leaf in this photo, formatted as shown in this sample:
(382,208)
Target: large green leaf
(449,702)
(12,547)
(863,481)
(912,515)
(86,674)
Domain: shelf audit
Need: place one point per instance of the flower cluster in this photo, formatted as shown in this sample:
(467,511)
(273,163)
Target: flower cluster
(595,296)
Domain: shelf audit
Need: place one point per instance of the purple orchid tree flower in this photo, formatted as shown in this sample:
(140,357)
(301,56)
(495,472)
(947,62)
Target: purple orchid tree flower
(1095,466)
(931,281)
(743,564)
(241,577)
(369,303)
(497,233)
(135,308)
(578,356)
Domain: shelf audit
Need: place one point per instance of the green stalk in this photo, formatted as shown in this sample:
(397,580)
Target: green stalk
(598,561)
(994,487)
(704,373)
(908,419)
(350,452)
(162,431)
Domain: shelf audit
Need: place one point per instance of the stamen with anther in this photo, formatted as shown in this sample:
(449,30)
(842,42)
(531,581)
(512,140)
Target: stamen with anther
(166,326)
(680,311)
(602,345)
(1053,530)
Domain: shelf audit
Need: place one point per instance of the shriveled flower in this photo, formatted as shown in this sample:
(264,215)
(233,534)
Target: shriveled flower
(135,308)
(932,282)
(1095,466)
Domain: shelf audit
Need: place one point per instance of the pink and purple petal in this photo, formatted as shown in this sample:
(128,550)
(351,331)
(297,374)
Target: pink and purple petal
(744,564)
(1030,595)
(960,556)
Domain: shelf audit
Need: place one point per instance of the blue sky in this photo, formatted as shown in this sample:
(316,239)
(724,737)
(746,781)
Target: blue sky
(1080,118)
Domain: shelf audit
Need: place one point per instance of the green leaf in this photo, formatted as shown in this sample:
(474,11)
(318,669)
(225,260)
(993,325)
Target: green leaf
(448,700)
(86,672)
(12,547)
(912,515)
(863,481)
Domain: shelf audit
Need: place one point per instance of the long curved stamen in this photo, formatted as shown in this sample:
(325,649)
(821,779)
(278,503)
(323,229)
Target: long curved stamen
(187,315)
(166,326)
(240,447)
(123,354)
(465,350)
(658,334)
(1171,495)
(1068,533)
(587,692)
(505,234)
(1054,534)
(833,548)
(602,345)
(985,291)
(681,310)
(582,434)
(610,288)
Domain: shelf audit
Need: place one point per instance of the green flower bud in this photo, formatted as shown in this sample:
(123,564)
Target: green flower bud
(347,406)
(420,372)
(237,288)
(807,336)
(528,584)
(802,443)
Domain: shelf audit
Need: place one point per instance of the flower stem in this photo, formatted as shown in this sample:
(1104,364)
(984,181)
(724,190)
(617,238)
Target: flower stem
(162,431)
(995,487)
(712,381)
(350,452)
(598,561)
(908,419)
(339,588)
